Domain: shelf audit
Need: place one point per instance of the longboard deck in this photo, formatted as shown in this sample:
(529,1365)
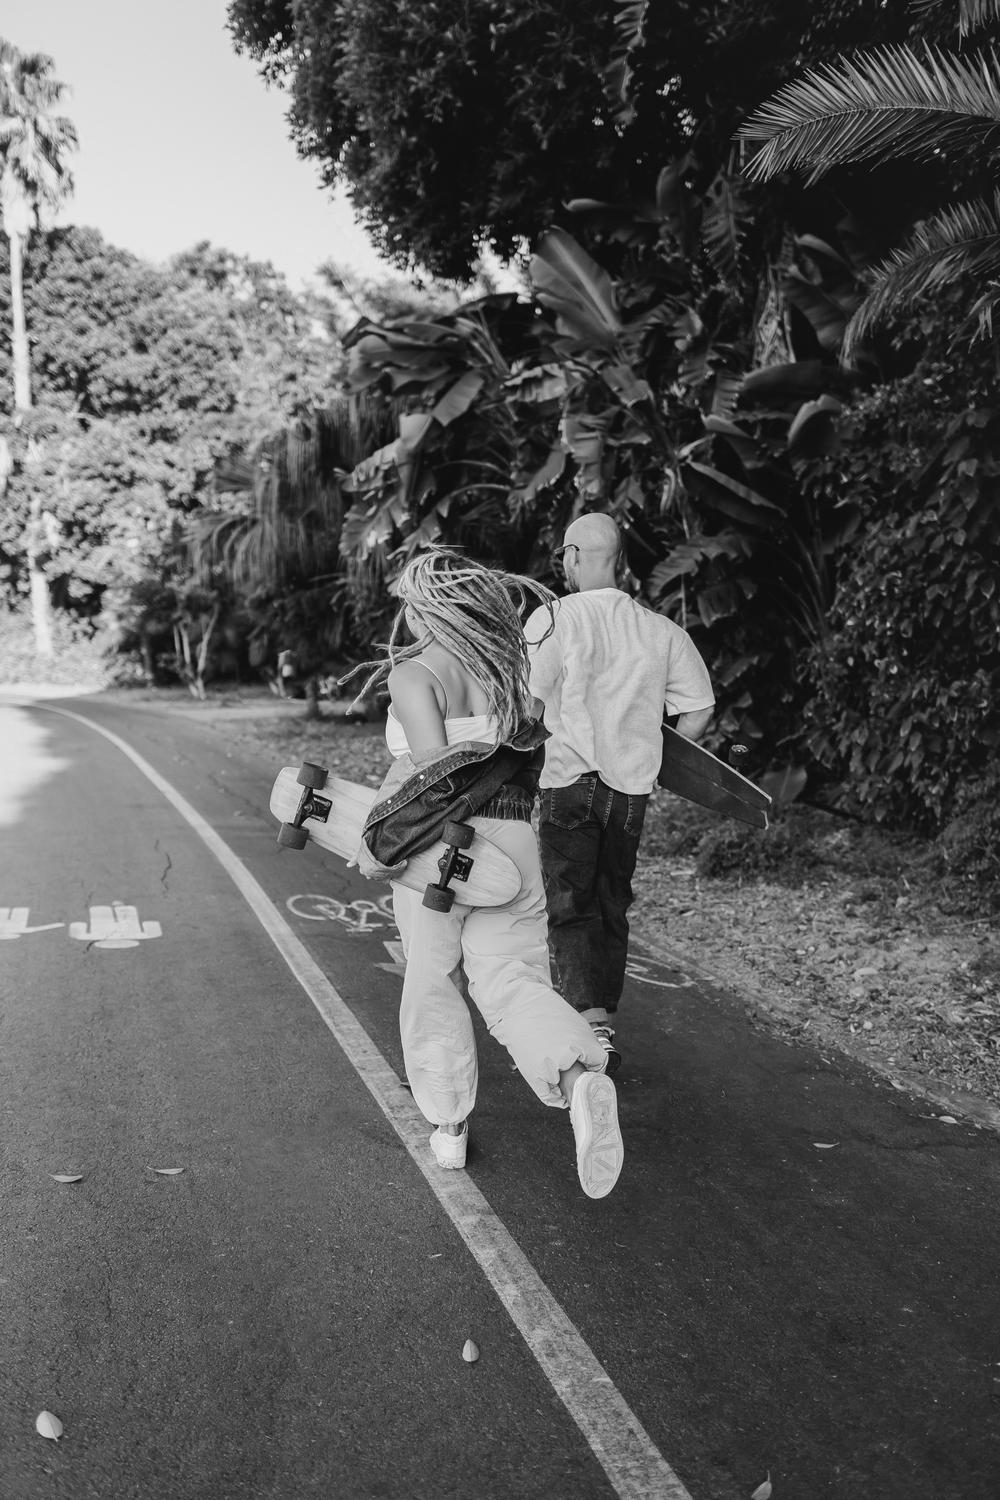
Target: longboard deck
(492,879)
(696,774)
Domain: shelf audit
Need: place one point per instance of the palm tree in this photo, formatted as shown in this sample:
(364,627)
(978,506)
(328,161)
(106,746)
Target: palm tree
(34,142)
(280,536)
(887,104)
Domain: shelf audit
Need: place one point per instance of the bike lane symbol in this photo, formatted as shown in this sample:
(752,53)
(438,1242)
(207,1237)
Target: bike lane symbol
(114,926)
(359,917)
(14,923)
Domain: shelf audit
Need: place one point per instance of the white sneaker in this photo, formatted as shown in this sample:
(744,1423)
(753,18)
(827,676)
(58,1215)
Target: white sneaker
(593,1113)
(449,1150)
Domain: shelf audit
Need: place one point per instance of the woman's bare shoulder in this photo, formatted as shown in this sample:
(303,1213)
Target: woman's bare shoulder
(411,674)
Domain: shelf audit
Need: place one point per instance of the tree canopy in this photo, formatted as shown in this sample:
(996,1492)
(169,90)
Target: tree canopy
(461,122)
(146,378)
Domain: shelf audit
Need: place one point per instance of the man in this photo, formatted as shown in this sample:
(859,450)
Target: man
(606,674)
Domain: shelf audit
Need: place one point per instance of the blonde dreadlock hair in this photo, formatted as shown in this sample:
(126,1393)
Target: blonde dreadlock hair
(475,613)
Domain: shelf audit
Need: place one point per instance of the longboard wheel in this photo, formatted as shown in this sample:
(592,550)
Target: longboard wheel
(292,837)
(438,899)
(459,834)
(311,775)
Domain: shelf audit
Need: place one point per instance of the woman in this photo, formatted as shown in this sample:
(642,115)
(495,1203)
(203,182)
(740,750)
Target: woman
(464,682)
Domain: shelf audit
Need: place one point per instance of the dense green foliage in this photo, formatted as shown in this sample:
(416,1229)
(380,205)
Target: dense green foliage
(937,106)
(908,676)
(144,380)
(458,122)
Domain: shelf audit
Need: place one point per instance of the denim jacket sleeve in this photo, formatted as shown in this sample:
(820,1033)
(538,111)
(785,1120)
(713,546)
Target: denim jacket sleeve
(421,793)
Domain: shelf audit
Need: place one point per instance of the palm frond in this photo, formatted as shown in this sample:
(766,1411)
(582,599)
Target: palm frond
(972,14)
(976,13)
(874,107)
(982,310)
(629,22)
(963,240)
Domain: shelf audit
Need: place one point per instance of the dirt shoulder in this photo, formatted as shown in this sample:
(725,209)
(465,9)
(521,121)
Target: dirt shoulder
(829,933)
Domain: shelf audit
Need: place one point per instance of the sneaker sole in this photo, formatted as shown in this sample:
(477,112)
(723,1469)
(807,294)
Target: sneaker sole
(601,1153)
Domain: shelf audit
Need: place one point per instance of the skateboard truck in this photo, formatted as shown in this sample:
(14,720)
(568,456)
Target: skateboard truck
(453,864)
(311,778)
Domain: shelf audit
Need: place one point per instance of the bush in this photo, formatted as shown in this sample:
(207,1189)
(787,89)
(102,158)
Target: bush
(906,682)
(81,658)
(969,843)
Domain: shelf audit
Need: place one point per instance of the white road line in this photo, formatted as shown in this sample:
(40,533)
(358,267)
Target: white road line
(633,1464)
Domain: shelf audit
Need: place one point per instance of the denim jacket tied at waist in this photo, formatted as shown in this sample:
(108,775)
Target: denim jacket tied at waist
(422,792)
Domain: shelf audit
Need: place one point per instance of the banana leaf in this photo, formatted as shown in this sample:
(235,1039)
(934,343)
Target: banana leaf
(802,380)
(828,309)
(716,477)
(580,293)
(629,389)
(458,398)
(814,433)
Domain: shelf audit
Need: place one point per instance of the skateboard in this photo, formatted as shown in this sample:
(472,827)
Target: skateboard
(702,777)
(312,805)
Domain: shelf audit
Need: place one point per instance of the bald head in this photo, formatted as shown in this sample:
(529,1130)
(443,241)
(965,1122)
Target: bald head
(592,546)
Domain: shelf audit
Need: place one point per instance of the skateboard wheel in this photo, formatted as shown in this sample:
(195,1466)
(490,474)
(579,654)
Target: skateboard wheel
(292,837)
(438,899)
(311,775)
(459,834)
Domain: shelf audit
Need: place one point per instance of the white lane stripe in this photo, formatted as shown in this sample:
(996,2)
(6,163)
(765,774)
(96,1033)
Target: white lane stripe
(634,1466)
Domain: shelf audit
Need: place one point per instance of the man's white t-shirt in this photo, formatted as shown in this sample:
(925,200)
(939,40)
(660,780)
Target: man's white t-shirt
(607,673)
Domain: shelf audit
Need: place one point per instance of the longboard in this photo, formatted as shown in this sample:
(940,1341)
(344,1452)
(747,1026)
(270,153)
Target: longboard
(699,776)
(312,805)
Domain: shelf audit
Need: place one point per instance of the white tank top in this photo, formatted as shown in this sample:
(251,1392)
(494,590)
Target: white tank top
(482,727)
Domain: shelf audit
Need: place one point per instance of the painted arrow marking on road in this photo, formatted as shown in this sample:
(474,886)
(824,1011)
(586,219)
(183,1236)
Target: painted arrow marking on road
(114,926)
(395,952)
(14,923)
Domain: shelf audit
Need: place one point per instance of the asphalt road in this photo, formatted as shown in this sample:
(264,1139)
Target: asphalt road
(796,1274)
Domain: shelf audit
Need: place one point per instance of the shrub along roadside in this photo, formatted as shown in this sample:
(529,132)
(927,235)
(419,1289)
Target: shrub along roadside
(81,658)
(906,681)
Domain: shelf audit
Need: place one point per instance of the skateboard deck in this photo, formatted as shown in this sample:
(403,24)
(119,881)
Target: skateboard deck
(312,805)
(699,776)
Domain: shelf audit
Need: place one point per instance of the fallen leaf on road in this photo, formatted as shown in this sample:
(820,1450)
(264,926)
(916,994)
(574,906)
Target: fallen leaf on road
(947,1119)
(49,1426)
(821,1146)
(66,1177)
(471,1352)
(167,1171)
(763,1491)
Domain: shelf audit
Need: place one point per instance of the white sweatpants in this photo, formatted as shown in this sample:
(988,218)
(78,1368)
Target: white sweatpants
(506,962)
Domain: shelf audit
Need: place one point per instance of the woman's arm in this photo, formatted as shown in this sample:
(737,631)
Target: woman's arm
(415,704)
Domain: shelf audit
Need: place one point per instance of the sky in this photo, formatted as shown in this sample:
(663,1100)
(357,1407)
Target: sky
(180,139)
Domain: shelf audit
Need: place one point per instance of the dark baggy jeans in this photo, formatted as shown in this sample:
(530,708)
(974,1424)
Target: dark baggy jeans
(589,839)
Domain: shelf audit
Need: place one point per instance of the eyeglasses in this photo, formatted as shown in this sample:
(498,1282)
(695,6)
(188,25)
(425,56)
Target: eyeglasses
(557,552)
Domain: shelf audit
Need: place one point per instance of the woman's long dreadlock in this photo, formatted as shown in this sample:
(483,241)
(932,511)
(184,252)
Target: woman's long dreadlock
(475,613)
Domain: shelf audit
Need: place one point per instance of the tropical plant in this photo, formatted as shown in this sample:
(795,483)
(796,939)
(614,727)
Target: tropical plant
(700,459)
(272,531)
(34,142)
(906,679)
(462,436)
(929,104)
(621,393)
